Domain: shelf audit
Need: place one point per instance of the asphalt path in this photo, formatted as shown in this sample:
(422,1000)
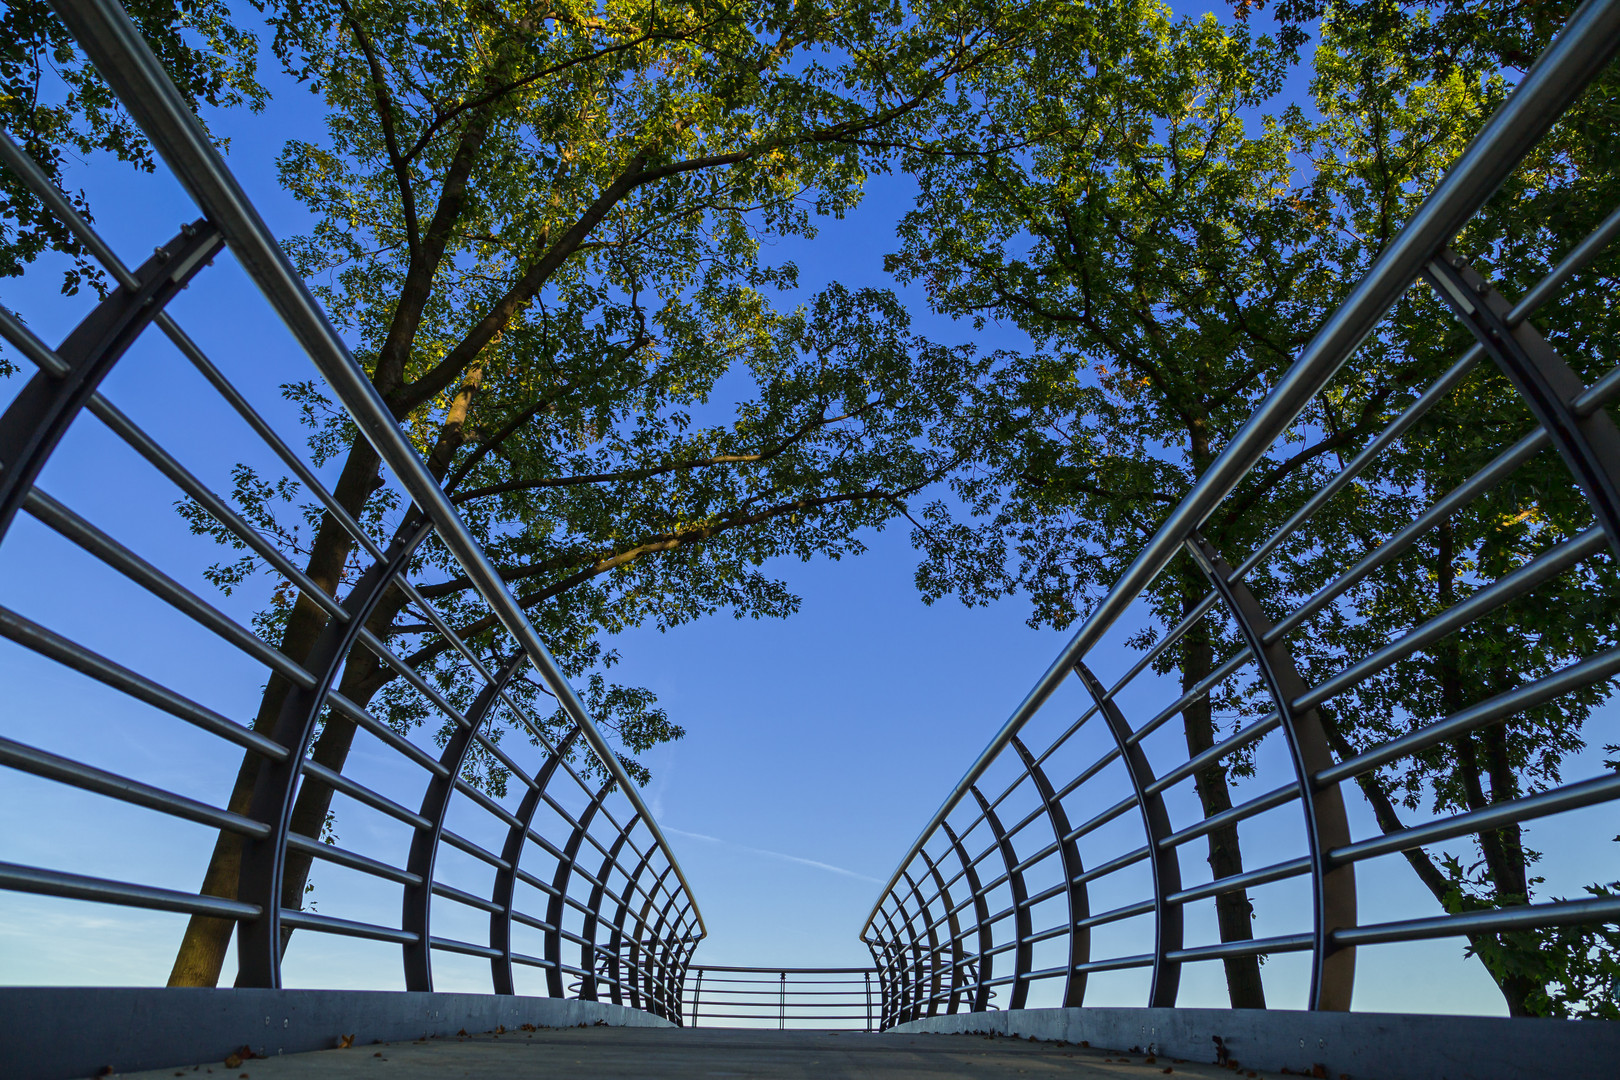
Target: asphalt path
(603,1053)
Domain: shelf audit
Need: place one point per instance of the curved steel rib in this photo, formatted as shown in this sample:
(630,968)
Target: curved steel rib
(1079,906)
(1166,863)
(416,906)
(1333,887)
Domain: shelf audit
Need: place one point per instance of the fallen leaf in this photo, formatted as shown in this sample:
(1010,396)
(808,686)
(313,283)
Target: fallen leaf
(462,1033)
(233,1062)
(1150,1060)
(377,1054)
(345,1041)
(106,1070)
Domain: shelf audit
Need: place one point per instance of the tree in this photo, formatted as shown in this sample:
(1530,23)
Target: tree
(1111,200)
(55,106)
(1401,87)
(543,227)
(1168,246)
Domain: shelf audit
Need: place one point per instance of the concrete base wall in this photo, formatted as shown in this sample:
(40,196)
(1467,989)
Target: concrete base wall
(52,1033)
(1363,1046)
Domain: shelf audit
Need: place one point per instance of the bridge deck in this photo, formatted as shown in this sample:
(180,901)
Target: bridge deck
(643,1053)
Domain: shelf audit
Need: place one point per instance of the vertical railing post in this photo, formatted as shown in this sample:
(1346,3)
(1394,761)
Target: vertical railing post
(867,977)
(781,1005)
(697,995)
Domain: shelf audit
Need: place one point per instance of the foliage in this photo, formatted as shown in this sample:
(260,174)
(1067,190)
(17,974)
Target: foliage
(1168,236)
(57,108)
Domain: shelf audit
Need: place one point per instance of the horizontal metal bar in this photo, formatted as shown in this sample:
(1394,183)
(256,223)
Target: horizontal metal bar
(532,921)
(1413,412)
(773,990)
(15,331)
(363,719)
(535,882)
(326,924)
(1101,819)
(34,879)
(496,809)
(1487,478)
(463,897)
(466,948)
(1496,920)
(380,650)
(1549,564)
(1291,868)
(1044,895)
(1558,800)
(1110,756)
(63,770)
(1199,690)
(1573,677)
(1130,858)
(706,968)
(1129,911)
(461,843)
(532,961)
(1068,733)
(62,209)
(1231,816)
(340,856)
(512,767)
(705,1014)
(1255,731)
(165,588)
(314,770)
(1175,634)
(1250,947)
(165,462)
(1570,265)
(71,654)
(1117,963)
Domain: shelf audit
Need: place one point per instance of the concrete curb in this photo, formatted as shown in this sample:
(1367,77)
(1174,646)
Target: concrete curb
(1363,1046)
(53,1033)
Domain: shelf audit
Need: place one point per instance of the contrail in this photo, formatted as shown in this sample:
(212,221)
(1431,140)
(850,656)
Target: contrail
(771,854)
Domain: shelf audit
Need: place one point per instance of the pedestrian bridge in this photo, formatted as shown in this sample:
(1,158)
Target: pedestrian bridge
(1072,852)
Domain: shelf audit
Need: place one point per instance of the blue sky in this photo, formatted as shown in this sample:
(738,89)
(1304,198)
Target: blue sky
(816,746)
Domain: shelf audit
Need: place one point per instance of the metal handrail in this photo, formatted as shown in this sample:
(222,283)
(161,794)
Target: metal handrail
(904,928)
(1580,51)
(104,31)
(657,923)
(785,995)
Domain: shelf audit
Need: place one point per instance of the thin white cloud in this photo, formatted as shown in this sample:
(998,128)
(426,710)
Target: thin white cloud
(829,867)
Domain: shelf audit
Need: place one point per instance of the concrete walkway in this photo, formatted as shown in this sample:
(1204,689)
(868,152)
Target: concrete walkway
(603,1053)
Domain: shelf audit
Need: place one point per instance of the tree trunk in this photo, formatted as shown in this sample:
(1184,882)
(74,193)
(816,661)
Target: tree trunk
(364,675)
(1233,910)
(1503,848)
(202,948)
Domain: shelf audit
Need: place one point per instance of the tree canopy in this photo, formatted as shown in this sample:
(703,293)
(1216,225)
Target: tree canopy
(546,231)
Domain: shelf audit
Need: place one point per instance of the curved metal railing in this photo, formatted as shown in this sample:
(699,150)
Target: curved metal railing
(783,998)
(578,883)
(1010,884)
